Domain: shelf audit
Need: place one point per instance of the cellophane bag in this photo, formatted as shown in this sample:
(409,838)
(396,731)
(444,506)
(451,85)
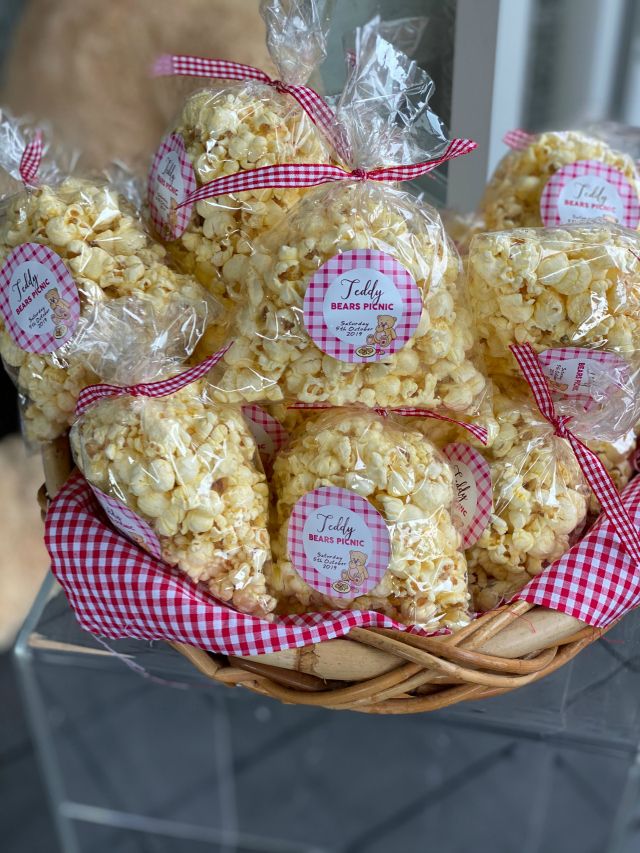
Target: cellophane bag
(75,263)
(617,458)
(227,126)
(357,295)
(362,520)
(573,293)
(559,176)
(183,473)
(539,496)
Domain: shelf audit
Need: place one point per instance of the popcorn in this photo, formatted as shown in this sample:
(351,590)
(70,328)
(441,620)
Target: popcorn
(402,475)
(617,459)
(186,466)
(274,356)
(226,130)
(109,256)
(577,286)
(512,196)
(539,498)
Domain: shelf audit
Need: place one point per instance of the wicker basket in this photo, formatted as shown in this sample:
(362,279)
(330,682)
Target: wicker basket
(381,671)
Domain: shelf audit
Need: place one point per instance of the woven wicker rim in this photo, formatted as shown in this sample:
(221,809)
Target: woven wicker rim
(380,671)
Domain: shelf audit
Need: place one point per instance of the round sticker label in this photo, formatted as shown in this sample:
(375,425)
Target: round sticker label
(269,434)
(473,492)
(589,189)
(131,525)
(587,375)
(171,180)
(39,302)
(362,306)
(338,542)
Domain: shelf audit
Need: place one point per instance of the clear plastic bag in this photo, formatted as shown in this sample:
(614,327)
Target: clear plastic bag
(540,497)
(357,296)
(617,457)
(392,471)
(513,196)
(188,469)
(111,277)
(230,126)
(573,293)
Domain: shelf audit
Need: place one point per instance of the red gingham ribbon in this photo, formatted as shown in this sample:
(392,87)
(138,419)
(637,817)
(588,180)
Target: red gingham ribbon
(314,174)
(311,102)
(518,139)
(94,393)
(480,432)
(30,160)
(592,467)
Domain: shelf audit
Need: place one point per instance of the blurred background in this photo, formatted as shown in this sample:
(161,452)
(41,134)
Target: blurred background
(82,65)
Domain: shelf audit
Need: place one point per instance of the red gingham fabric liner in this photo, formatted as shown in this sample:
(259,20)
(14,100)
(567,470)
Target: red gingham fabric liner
(596,580)
(311,102)
(31,159)
(118,590)
(162,388)
(592,467)
(67,290)
(518,139)
(549,210)
(314,174)
(172,143)
(314,316)
(378,561)
(481,473)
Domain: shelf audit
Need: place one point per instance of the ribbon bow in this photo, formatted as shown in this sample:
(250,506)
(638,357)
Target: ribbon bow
(518,140)
(314,174)
(94,393)
(31,159)
(312,103)
(592,467)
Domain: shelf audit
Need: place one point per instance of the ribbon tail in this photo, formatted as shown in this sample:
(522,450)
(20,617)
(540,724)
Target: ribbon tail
(162,388)
(605,490)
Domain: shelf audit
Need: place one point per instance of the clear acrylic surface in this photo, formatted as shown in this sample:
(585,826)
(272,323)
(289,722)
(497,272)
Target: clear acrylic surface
(139,750)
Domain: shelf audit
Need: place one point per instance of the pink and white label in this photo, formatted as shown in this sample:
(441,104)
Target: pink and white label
(128,523)
(171,180)
(338,542)
(39,299)
(589,189)
(269,434)
(473,492)
(362,306)
(585,374)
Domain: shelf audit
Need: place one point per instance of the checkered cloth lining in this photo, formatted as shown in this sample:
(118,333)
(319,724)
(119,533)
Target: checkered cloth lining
(117,590)
(596,580)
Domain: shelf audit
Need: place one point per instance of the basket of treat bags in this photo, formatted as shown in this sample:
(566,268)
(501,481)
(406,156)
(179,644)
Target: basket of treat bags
(291,427)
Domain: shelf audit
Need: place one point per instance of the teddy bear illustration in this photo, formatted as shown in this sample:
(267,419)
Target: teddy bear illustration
(357,571)
(384,334)
(61,312)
